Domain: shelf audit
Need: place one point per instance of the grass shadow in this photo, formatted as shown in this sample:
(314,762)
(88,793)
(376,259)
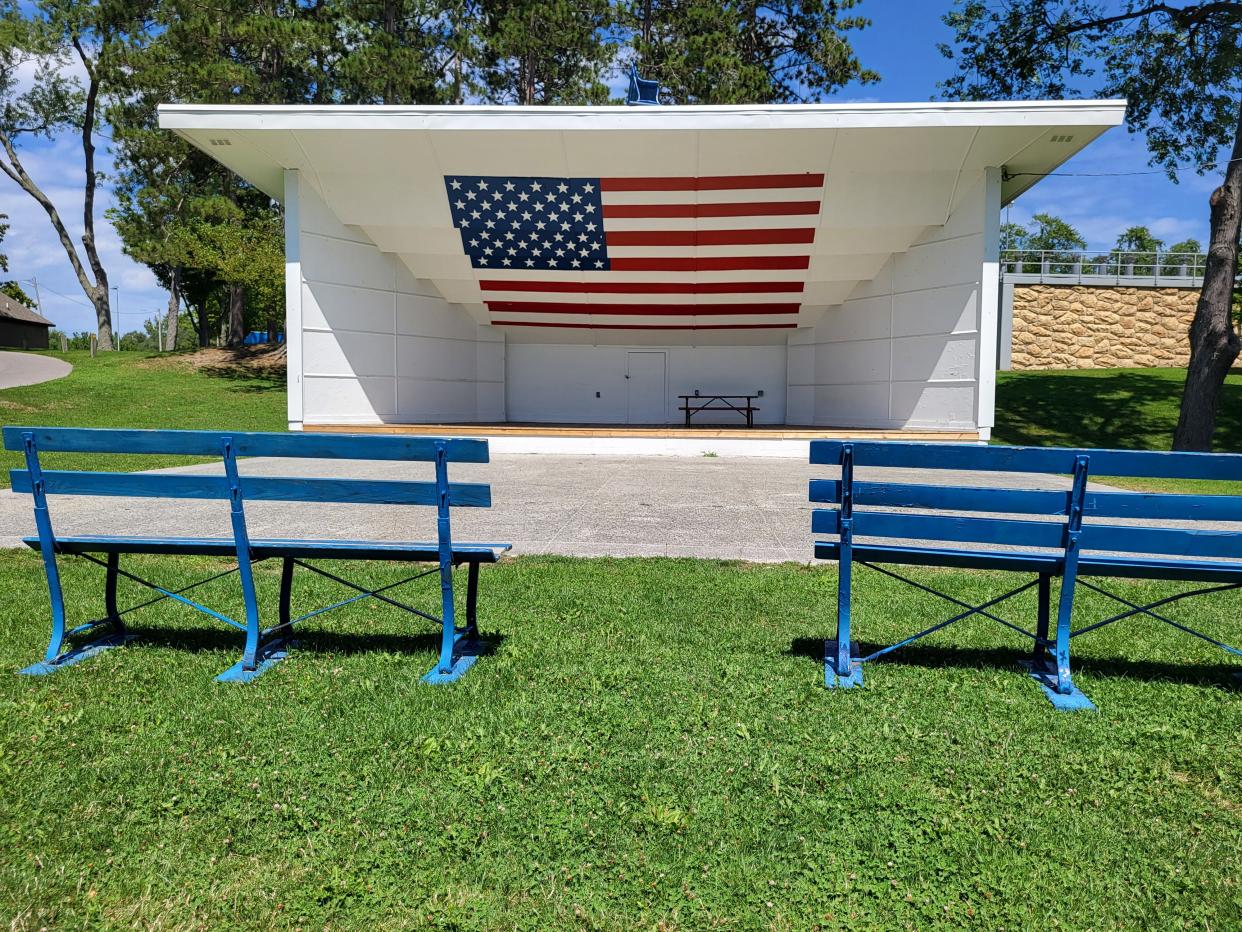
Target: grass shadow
(1119,408)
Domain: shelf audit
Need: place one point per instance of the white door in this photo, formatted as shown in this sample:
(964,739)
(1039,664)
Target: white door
(645,399)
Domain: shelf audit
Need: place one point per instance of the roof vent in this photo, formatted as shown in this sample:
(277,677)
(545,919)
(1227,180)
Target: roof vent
(1061,138)
(219,142)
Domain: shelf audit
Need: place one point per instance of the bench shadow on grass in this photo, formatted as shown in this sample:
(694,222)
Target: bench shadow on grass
(201,640)
(933,656)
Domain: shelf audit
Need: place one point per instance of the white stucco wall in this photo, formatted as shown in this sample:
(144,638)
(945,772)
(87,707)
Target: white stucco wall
(904,349)
(558,382)
(376,345)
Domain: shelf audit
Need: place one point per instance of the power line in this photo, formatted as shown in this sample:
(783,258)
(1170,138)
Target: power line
(1154,171)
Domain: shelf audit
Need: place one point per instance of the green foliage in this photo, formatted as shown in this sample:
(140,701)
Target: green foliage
(1050,240)
(741,51)
(15,291)
(4,228)
(1014,236)
(1178,68)
(598,772)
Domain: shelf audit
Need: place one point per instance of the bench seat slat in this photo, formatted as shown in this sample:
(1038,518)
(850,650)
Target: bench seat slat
(1089,564)
(913,526)
(263,548)
(254,488)
(247,443)
(1030,459)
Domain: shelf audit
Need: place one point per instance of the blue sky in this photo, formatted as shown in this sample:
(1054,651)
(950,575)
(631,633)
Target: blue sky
(901,46)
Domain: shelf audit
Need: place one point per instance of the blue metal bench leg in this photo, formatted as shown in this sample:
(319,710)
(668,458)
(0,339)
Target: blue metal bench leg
(257,657)
(458,649)
(53,658)
(842,667)
(1056,682)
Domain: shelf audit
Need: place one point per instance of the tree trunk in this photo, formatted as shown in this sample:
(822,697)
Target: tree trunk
(236,332)
(204,327)
(103,316)
(174,308)
(1214,342)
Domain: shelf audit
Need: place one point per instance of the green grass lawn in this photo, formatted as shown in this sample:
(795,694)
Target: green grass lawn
(1129,409)
(651,746)
(141,390)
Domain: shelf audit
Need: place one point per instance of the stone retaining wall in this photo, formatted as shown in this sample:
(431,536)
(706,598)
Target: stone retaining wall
(1095,327)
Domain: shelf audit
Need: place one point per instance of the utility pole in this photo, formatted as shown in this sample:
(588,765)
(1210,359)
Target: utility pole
(120,327)
(38,300)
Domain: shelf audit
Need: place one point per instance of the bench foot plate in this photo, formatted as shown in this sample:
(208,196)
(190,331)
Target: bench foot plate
(77,655)
(270,655)
(465,652)
(834,680)
(1073,701)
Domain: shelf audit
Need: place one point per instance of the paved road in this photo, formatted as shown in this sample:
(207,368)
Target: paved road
(735,508)
(28,369)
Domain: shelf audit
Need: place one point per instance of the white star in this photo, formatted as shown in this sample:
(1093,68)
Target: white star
(482,185)
(595,245)
(562,187)
(577,198)
(576,264)
(590,208)
(496,195)
(558,237)
(517,224)
(512,251)
(536,186)
(506,262)
(560,252)
(455,183)
(551,262)
(512,206)
(521,244)
(564,207)
(539,206)
(482,260)
(536,251)
(526,215)
(460,204)
(540,225)
(470,195)
(588,188)
(591,227)
(578,217)
(475,215)
(488,251)
(509,185)
(509,235)
(564,226)
(582,237)
(530,262)
(522,196)
(490,225)
(553,217)
(474,242)
(599,263)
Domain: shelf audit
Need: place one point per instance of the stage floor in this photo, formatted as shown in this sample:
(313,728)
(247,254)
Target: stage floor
(772,432)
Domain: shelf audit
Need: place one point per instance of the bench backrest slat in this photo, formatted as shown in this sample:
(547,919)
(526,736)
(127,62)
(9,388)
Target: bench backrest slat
(254,488)
(1030,459)
(925,527)
(247,443)
(1008,505)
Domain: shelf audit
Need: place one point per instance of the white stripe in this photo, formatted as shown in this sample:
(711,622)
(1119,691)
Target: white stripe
(640,320)
(741,275)
(739,196)
(784,222)
(690,252)
(635,299)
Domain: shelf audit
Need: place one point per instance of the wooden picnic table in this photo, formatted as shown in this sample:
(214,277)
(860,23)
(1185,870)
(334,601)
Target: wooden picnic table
(742,404)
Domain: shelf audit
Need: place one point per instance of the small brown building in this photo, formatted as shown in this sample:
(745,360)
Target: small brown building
(20,327)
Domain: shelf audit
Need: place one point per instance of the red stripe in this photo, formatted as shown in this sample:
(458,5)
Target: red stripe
(708,263)
(639,310)
(707,237)
(589,287)
(716,183)
(554,323)
(755,209)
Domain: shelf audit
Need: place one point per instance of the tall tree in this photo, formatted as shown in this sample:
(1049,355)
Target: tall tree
(746,51)
(1180,67)
(544,51)
(1137,248)
(4,228)
(71,46)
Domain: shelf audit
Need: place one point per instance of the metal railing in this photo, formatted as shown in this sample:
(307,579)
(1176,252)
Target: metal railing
(1111,268)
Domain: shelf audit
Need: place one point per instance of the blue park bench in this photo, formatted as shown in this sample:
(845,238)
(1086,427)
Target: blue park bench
(1048,533)
(459,646)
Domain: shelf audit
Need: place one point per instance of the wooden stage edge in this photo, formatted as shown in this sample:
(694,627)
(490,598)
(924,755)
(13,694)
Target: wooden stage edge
(586,431)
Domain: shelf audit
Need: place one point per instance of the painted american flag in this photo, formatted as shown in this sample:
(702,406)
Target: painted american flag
(639,253)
